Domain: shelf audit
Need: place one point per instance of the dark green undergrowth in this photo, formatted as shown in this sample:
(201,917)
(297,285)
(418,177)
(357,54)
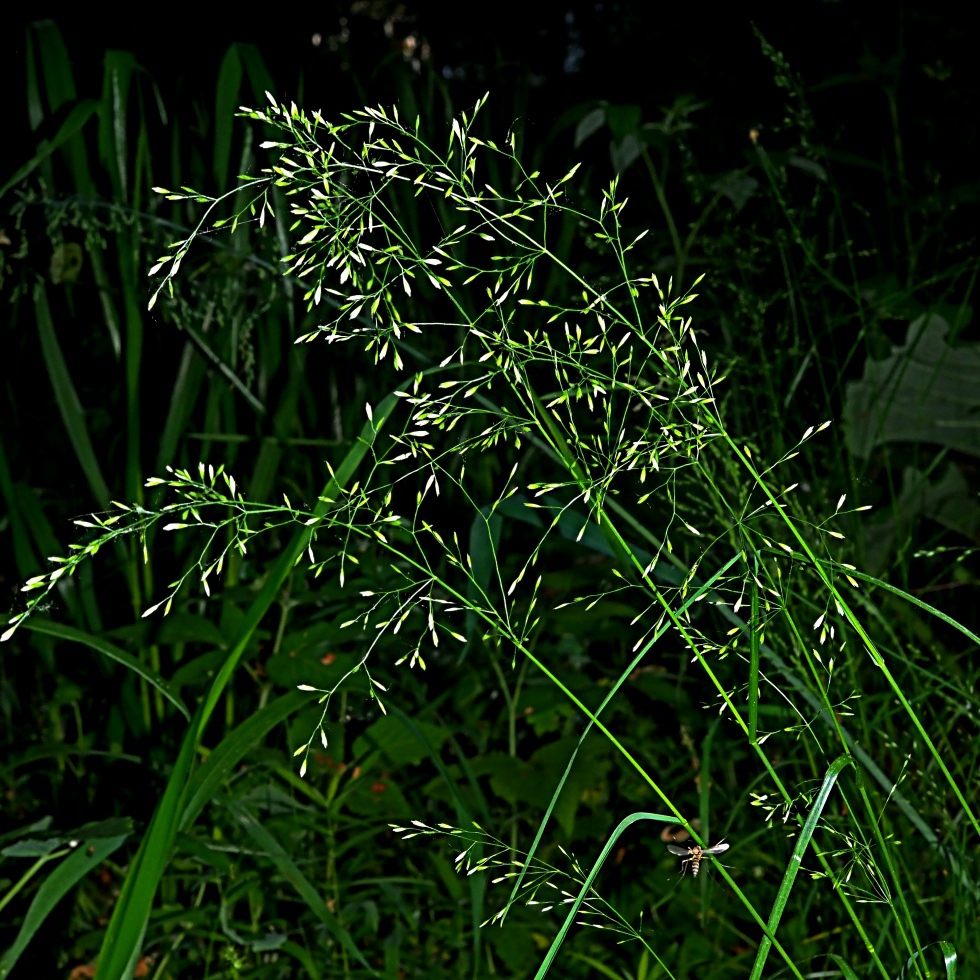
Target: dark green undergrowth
(581,511)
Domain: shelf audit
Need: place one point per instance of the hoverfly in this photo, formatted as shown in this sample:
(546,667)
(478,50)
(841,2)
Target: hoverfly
(693,853)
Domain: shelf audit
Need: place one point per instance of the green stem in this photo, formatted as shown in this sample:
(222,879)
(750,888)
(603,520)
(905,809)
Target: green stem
(789,877)
(850,616)
(754,666)
(28,874)
(675,238)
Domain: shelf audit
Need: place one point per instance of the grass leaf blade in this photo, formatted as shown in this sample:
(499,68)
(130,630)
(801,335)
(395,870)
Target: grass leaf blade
(110,650)
(789,877)
(68,873)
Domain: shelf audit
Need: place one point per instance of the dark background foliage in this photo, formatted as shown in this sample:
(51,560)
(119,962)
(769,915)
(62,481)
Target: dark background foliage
(808,277)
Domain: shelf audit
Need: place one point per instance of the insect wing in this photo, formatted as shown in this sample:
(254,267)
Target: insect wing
(680,850)
(717,849)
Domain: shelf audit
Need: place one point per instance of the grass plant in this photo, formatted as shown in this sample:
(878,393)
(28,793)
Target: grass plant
(571,556)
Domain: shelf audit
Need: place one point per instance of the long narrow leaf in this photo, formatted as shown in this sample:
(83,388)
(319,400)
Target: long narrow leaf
(845,970)
(72,413)
(129,277)
(226,104)
(187,384)
(27,562)
(77,118)
(915,601)
(289,870)
(129,918)
(64,877)
(789,876)
(209,777)
(949,959)
(222,368)
(119,68)
(124,936)
(110,650)
(623,825)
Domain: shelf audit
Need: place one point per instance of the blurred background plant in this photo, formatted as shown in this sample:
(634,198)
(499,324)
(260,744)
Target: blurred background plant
(834,218)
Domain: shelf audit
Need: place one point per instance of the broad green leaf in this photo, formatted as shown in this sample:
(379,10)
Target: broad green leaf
(948,501)
(41,845)
(185,627)
(206,855)
(623,153)
(533,782)
(37,827)
(590,123)
(623,120)
(31,847)
(399,745)
(515,945)
(925,391)
(737,186)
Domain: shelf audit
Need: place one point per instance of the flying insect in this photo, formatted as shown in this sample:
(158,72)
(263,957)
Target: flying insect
(693,854)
